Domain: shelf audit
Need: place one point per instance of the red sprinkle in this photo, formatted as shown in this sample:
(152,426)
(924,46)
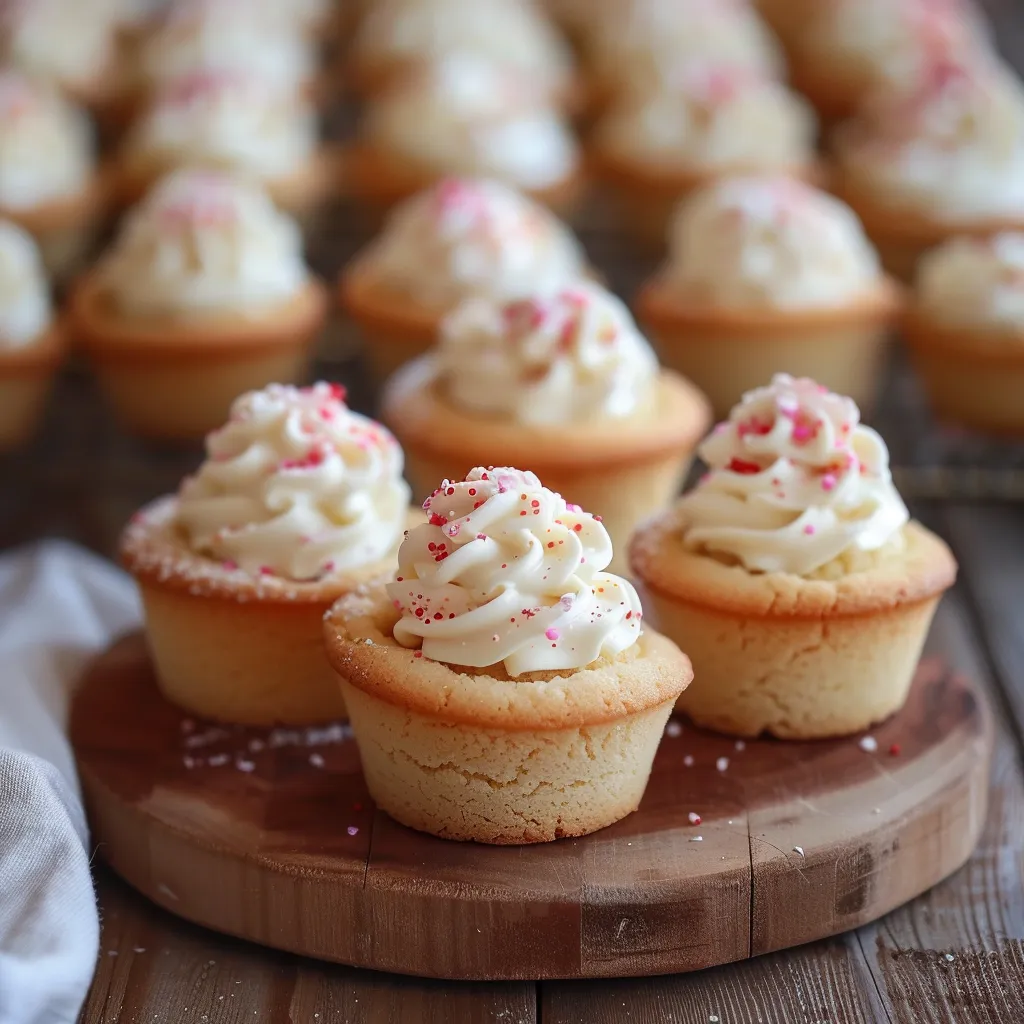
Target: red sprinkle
(894,750)
(436,520)
(743,467)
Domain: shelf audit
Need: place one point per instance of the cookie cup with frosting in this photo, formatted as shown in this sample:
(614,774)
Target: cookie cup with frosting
(31,341)
(792,573)
(712,120)
(204,295)
(965,331)
(562,380)
(467,117)
(495,723)
(299,502)
(49,180)
(462,238)
(766,274)
(942,157)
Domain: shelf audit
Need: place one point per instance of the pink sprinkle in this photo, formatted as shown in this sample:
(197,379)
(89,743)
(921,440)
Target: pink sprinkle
(265,570)
(552,633)
(808,529)
(230,565)
(693,818)
(352,830)
(329,566)
(828,481)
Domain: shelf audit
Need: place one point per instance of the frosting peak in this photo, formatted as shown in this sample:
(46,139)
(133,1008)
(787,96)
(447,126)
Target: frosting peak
(506,571)
(470,237)
(769,242)
(558,357)
(296,485)
(25,307)
(202,241)
(795,481)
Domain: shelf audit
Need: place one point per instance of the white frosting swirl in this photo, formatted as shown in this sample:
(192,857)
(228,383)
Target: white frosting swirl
(25,307)
(466,115)
(886,43)
(227,119)
(506,571)
(47,147)
(748,243)
(795,482)
(975,282)
(641,44)
(67,42)
(465,238)
(296,485)
(508,33)
(557,357)
(225,36)
(712,115)
(205,242)
(952,145)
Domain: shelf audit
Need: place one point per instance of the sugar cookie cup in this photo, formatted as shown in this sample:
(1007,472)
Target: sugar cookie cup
(501,686)
(230,640)
(792,657)
(476,755)
(792,573)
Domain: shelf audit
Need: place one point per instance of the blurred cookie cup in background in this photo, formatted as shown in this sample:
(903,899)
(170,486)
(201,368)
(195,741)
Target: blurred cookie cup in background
(764,274)
(204,294)
(965,330)
(463,117)
(462,238)
(943,157)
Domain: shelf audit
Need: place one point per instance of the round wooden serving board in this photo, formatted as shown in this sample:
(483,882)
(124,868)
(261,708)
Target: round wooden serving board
(270,835)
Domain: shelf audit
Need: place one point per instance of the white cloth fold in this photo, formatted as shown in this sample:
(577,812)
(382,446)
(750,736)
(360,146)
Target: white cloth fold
(59,605)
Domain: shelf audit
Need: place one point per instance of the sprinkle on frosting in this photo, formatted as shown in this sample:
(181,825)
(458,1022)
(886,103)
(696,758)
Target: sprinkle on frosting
(296,485)
(748,243)
(468,237)
(506,571)
(25,307)
(572,355)
(201,242)
(795,481)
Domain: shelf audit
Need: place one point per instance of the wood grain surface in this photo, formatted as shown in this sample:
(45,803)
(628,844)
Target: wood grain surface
(270,835)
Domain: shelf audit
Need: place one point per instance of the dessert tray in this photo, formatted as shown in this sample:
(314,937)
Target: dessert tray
(737,848)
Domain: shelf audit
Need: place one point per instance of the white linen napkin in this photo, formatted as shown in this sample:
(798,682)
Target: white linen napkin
(59,605)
